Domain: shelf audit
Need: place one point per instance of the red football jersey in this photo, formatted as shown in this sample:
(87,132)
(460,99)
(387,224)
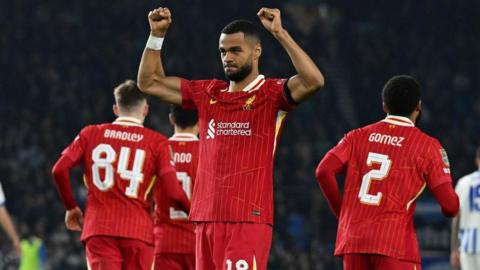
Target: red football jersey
(238,135)
(120,162)
(173,232)
(388,164)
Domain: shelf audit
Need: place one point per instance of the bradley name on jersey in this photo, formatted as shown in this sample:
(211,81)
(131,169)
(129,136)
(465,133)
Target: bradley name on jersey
(122,135)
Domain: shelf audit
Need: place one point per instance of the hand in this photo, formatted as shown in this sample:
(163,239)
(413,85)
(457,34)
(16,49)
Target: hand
(74,219)
(271,20)
(455,259)
(159,20)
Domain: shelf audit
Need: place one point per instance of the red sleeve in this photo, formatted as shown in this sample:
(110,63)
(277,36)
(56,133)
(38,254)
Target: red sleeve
(165,163)
(281,91)
(326,171)
(191,93)
(61,175)
(76,149)
(436,167)
(172,188)
(447,198)
(71,156)
(343,149)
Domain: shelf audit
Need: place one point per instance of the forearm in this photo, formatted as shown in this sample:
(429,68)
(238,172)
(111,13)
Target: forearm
(61,175)
(150,68)
(447,198)
(7,225)
(174,191)
(304,65)
(454,242)
(152,79)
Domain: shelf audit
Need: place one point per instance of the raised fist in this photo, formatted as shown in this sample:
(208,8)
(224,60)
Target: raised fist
(271,19)
(159,20)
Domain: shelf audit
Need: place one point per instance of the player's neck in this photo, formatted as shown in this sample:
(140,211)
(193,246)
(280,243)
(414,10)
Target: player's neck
(240,85)
(132,116)
(189,130)
(411,118)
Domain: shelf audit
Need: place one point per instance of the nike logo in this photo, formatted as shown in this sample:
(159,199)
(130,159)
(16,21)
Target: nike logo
(213,101)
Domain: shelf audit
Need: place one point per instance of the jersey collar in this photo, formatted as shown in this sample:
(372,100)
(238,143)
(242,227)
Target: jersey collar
(128,121)
(399,120)
(254,85)
(184,137)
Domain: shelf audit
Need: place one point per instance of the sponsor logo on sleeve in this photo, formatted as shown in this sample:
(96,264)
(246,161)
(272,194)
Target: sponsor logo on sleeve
(445,157)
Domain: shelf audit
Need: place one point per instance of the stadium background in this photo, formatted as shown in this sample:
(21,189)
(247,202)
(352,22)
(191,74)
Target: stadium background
(61,59)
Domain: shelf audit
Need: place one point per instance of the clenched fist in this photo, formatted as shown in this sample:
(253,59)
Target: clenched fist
(271,20)
(159,20)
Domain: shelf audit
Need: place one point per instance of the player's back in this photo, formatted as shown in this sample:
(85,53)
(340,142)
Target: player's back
(387,170)
(121,162)
(468,190)
(173,232)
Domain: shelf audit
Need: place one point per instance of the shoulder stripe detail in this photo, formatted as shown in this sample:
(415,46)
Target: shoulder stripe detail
(416,196)
(149,188)
(278,126)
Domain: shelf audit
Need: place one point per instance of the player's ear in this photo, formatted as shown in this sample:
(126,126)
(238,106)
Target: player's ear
(257,51)
(385,108)
(145,109)
(419,106)
(171,119)
(115,109)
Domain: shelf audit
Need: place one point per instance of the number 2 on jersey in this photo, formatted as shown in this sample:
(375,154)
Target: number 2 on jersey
(104,155)
(377,175)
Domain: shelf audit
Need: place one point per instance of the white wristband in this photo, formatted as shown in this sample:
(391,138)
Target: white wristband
(155,43)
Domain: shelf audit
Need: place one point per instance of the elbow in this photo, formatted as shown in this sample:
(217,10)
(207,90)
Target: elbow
(321,173)
(452,209)
(143,84)
(56,172)
(319,82)
(61,167)
(316,83)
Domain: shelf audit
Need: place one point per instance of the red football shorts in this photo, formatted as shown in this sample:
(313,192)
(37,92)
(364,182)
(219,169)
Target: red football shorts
(174,261)
(357,261)
(232,245)
(116,253)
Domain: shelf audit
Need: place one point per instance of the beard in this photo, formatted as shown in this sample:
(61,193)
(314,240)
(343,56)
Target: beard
(241,74)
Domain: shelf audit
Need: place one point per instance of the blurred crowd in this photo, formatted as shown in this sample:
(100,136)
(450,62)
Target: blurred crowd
(61,59)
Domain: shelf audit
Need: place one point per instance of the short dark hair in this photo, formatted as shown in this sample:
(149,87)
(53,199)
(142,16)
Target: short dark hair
(477,153)
(183,118)
(401,94)
(127,95)
(244,26)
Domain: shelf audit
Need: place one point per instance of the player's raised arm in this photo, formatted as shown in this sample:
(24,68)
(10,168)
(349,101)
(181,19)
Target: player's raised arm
(151,76)
(309,78)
